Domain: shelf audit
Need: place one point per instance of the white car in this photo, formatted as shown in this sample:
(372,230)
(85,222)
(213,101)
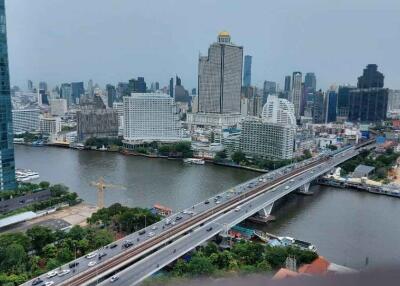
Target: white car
(150,234)
(114,278)
(63,272)
(91,255)
(237,209)
(51,274)
(49,283)
(154,227)
(92,263)
(287,188)
(217,202)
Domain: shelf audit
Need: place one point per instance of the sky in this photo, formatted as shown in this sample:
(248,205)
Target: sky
(115,40)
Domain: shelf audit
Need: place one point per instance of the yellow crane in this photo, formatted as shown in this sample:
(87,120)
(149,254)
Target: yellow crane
(101,186)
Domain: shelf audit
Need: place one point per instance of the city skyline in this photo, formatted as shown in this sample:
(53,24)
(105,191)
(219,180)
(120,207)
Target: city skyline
(52,53)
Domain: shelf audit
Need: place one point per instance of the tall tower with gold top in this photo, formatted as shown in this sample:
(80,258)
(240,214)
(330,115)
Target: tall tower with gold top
(220,77)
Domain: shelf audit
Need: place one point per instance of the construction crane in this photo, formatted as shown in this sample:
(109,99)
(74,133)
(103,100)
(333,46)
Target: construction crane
(101,186)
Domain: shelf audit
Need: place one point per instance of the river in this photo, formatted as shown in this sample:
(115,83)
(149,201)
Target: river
(346,226)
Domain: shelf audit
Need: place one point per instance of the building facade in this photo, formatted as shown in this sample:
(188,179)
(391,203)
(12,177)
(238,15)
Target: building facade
(220,77)
(266,140)
(96,123)
(58,107)
(279,110)
(49,125)
(25,120)
(330,106)
(150,117)
(7,163)
(268,89)
(77,90)
(137,85)
(343,101)
(296,94)
(247,71)
(111,95)
(368,102)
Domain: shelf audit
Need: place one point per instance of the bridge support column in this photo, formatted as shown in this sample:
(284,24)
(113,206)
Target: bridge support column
(305,189)
(264,215)
(265,212)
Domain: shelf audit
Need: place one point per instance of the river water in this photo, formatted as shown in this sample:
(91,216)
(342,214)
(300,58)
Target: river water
(346,226)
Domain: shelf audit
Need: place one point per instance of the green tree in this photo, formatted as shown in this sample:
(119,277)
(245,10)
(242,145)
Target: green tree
(220,156)
(164,150)
(248,253)
(40,236)
(50,251)
(210,248)
(19,238)
(58,190)
(180,268)
(44,185)
(200,266)
(238,157)
(101,238)
(276,256)
(64,254)
(14,258)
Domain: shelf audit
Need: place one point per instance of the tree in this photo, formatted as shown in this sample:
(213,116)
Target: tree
(50,251)
(248,253)
(64,254)
(238,157)
(276,256)
(19,238)
(164,150)
(101,238)
(210,248)
(307,154)
(44,185)
(40,236)
(220,156)
(14,258)
(200,265)
(180,268)
(58,190)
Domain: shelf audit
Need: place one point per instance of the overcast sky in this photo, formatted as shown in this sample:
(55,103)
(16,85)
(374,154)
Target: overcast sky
(115,40)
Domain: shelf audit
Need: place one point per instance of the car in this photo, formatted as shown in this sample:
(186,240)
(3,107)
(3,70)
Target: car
(73,264)
(150,234)
(63,272)
(51,274)
(91,255)
(154,227)
(178,218)
(292,180)
(37,281)
(114,278)
(143,231)
(206,202)
(287,188)
(202,224)
(92,263)
(217,202)
(173,223)
(209,229)
(127,243)
(167,221)
(237,209)
(102,254)
(228,195)
(114,245)
(49,283)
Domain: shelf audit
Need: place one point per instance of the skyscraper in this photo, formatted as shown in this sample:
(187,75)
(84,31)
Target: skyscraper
(137,85)
(78,89)
(247,71)
(7,163)
(318,108)
(288,80)
(30,85)
(310,82)
(220,77)
(343,102)
(43,85)
(330,105)
(171,87)
(368,103)
(296,93)
(111,95)
(66,93)
(269,89)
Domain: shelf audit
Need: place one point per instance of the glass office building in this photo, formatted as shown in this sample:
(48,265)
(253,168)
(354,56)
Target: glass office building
(7,163)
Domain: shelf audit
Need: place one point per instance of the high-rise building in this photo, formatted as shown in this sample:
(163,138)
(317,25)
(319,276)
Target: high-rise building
(43,97)
(394,100)
(279,110)
(111,95)
(266,140)
(90,88)
(25,120)
(30,85)
(318,112)
(181,94)
(137,85)
(58,107)
(66,93)
(288,80)
(49,125)
(343,101)
(330,105)
(171,87)
(310,82)
(122,90)
(220,77)
(43,85)
(194,91)
(247,71)
(296,93)
(78,90)
(7,163)
(368,102)
(99,123)
(150,117)
(269,89)
(119,109)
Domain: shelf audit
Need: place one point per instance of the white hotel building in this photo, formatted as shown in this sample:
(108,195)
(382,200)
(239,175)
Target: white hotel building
(150,117)
(25,120)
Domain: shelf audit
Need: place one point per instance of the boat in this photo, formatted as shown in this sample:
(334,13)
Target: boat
(103,148)
(274,240)
(194,161)
(26,175)
(38,143)
(78,146)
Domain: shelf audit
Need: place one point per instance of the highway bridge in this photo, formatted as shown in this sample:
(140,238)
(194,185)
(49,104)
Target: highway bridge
(161,243)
